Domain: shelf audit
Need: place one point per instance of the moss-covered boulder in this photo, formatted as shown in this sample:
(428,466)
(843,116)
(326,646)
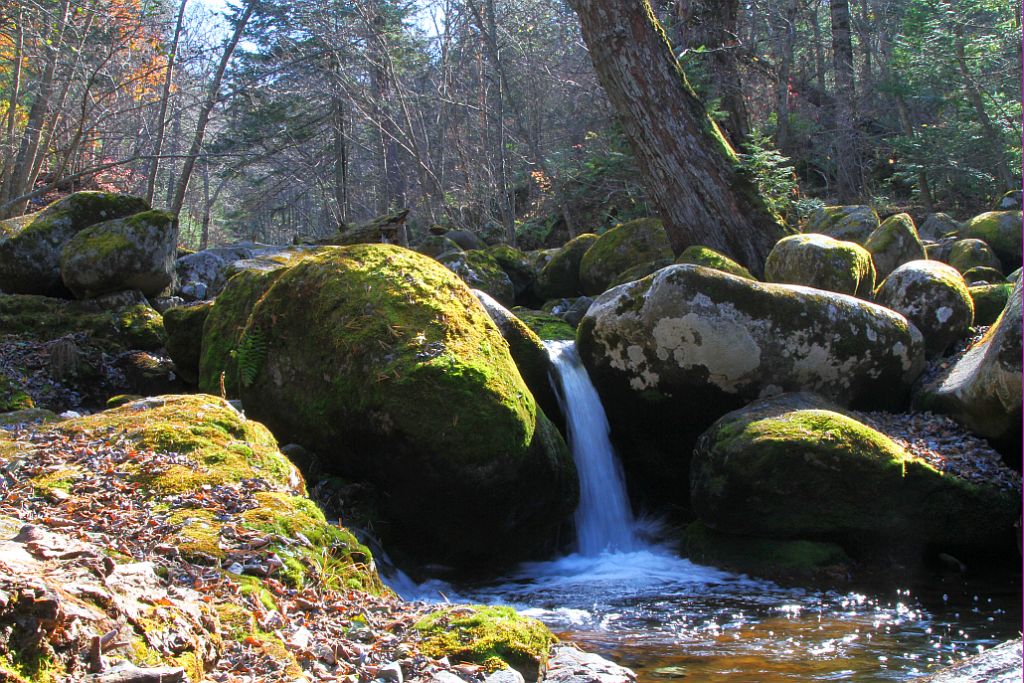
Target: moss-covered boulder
(184,327)
(846,223)
(560,276)
(696,342)
(934,297)
(638,271)
(224,325)
(480,270)
(894,243)
(989,301)
(1011,201)
(546,326)
(971,253)
(937,226)
(626,245)
(705,256)
(569,310)
(983,275)
(492,636)
(796,467)
(518,266)
(30,247)
(822,262)
(136,252)
(436,246)
(982,389)
(1001,230)
(527,349)
(384,363)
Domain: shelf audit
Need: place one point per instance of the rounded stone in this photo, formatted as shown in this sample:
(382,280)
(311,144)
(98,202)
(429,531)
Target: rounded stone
(971,253)
(934,297)
(626,245)
(822,262)
(894,243)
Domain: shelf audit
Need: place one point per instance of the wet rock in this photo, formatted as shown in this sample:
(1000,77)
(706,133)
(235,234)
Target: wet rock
(822,262)
(570,665)
(1001,664)
(934,297)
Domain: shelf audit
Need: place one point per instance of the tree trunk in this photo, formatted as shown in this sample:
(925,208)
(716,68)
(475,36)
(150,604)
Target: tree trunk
(785,37)
(165,96)
(686,162)
(819,52)
(207,108)
(712,24)
(845,150)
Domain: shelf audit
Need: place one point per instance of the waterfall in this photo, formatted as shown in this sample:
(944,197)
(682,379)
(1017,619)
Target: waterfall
(604,521)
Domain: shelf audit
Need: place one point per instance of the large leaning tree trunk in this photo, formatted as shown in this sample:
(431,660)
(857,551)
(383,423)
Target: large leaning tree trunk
(688,166)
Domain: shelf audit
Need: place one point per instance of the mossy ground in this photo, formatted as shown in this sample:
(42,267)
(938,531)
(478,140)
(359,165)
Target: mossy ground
(135,326)
(490,636)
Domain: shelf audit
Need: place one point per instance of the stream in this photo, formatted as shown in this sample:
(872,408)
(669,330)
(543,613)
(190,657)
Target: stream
(641,605)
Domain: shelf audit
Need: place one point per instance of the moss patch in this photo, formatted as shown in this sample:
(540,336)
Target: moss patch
(560,276)
(626,245)
(989,301)
(483,634)
(546,326)
(134,326)
(706,256)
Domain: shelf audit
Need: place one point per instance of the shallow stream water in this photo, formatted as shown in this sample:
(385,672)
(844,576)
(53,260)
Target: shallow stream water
(665,617)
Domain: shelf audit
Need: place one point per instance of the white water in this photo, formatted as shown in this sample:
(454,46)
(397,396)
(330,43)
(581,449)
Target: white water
(604,520)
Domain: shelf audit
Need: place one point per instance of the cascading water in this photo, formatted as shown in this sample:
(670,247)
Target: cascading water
(604,520)
(667,617)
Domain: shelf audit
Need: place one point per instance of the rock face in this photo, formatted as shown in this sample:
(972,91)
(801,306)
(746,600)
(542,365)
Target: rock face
(184,327)
(793,466)
(971,253)
(934,297)
(822,262)
(848,223)
(894,243)
(383,362)
(30,247)
(673,352)
(989,301)
(624,246)
(202,275)
(938,225)
(136,252)
(1002,231)
(480,270)
(704,256)
(982,389)
(560,277)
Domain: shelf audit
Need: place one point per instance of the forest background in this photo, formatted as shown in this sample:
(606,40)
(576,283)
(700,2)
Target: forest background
(486,114)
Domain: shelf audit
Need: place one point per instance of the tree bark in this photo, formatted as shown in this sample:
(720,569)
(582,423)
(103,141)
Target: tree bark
(686,163)
(845,150)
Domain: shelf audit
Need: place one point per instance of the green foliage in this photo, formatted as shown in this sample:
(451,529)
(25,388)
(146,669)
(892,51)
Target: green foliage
(775,178)
(252,354)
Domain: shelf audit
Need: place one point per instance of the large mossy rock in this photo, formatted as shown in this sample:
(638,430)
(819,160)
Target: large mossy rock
(971,253)
(383,362)
(184,327)
(934,297)
(1002,231)
(560,276)
(894,243)
(796,467)
(822,262)
(626,245)
(481,270)
(705,256)
(673,352)
(30,246)
(517,265)
(982,389)
(136,252)
(847,223)
(989,301)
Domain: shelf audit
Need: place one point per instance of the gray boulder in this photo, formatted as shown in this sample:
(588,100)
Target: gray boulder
(30,246)
(136,252)
(938,225)
(982,389)
(971,253)
(822,262)
(934,297)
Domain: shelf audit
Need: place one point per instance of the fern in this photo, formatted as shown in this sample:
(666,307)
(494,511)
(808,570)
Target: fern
(252,354)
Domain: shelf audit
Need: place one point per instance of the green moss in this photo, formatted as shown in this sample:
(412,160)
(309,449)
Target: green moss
(479,634)
(894,242)
(240,626)
(224,325)
(560,276)
(822,262)
(967,254)
(626,245)
(705,256)
(141,326)
(101,244)
(989,301)
(61,479)
(23,416)
(546,326)
(481,270)
(851,223)
(1001,230)
(12,396)
(135,326)
(198,535)
(83,209)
